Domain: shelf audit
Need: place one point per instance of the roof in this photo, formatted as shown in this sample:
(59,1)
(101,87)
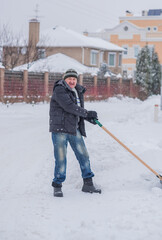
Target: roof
(64,37)
(56,63)
(130,24)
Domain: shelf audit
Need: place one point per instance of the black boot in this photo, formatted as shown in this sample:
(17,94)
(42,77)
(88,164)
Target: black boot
(57,189)
(89,187)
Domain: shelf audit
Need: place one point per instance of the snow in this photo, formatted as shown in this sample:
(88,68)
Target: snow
(119,76)
(64,37)
(56,63)
(129,207)
(107,75)
(1,66)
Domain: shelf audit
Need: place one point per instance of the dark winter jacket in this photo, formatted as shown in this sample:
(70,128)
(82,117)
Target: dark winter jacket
(64,111)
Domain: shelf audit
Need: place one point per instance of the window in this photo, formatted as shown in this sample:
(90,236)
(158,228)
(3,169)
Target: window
(155,29)
(111,59)
(94,57)
(41,53)
(23,50)
(125,28)
(126,50)
(120,60)
(136,51)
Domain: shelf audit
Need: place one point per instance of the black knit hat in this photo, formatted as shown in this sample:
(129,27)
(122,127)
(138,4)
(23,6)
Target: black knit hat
(70,73)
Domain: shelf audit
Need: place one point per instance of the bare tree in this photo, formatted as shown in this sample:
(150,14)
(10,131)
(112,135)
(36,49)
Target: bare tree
(16,50)
(11,47)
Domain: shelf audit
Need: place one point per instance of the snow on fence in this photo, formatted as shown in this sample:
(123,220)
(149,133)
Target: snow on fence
(34,87)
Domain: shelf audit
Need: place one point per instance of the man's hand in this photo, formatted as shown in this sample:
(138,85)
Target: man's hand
(91,116)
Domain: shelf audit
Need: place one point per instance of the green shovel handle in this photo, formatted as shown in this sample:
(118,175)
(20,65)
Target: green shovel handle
(99,124)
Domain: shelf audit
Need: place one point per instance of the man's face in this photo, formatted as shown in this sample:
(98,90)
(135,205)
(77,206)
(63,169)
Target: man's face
(71,81)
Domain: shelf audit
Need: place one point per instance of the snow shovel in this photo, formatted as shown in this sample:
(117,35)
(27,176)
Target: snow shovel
(157,175)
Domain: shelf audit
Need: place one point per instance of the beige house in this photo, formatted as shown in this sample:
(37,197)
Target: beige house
(88,51)
(133,33)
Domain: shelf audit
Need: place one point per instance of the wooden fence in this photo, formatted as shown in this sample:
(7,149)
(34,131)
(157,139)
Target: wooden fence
(34,87)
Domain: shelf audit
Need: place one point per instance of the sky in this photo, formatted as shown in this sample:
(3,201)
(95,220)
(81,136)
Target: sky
(78,15)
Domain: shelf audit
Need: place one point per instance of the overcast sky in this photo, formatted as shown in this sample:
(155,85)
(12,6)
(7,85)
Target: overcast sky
(79,15)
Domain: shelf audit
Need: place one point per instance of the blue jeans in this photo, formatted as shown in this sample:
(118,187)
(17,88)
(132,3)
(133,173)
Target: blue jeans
(60,142)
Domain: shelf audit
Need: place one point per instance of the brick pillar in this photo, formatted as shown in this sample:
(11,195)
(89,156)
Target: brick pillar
(81,79)
(120,85)
(25,86)
(2,76)
(131,88)
(95,85)
(46,91)
(108,86)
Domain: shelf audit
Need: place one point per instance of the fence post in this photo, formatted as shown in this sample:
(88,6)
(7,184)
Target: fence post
(2,79)
(108,86)
(46,91)
(120,85)
(81,79)
(131,87)
(25,84)
(95,85)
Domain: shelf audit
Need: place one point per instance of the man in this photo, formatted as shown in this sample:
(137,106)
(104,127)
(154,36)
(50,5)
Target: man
(67,116)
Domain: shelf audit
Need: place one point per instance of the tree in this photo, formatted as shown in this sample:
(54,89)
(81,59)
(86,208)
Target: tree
(143,69)
(16,50)
(103,69)
(148,71)
(156,74)
(9,43)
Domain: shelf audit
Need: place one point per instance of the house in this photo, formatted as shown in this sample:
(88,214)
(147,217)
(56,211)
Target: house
(133,33)
(88,51)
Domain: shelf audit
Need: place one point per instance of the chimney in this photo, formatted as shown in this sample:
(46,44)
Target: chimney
(144,13)
(129,14)
(85,33)
(34,26)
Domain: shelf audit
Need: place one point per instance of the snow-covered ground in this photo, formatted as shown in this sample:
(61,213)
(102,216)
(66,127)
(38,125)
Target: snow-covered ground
(130,206)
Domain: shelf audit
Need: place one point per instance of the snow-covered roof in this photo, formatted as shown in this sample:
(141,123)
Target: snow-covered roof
(56,63)
(64,37)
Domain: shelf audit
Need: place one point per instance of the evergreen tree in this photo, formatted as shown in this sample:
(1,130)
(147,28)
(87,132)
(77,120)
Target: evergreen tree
(156,74)
(143,69)
(148,71)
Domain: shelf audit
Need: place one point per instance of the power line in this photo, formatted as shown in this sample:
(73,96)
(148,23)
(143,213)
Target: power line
(86,12)
(93,9)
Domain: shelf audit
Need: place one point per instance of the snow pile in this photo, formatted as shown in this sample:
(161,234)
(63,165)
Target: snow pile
(129,207)
(56,63)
